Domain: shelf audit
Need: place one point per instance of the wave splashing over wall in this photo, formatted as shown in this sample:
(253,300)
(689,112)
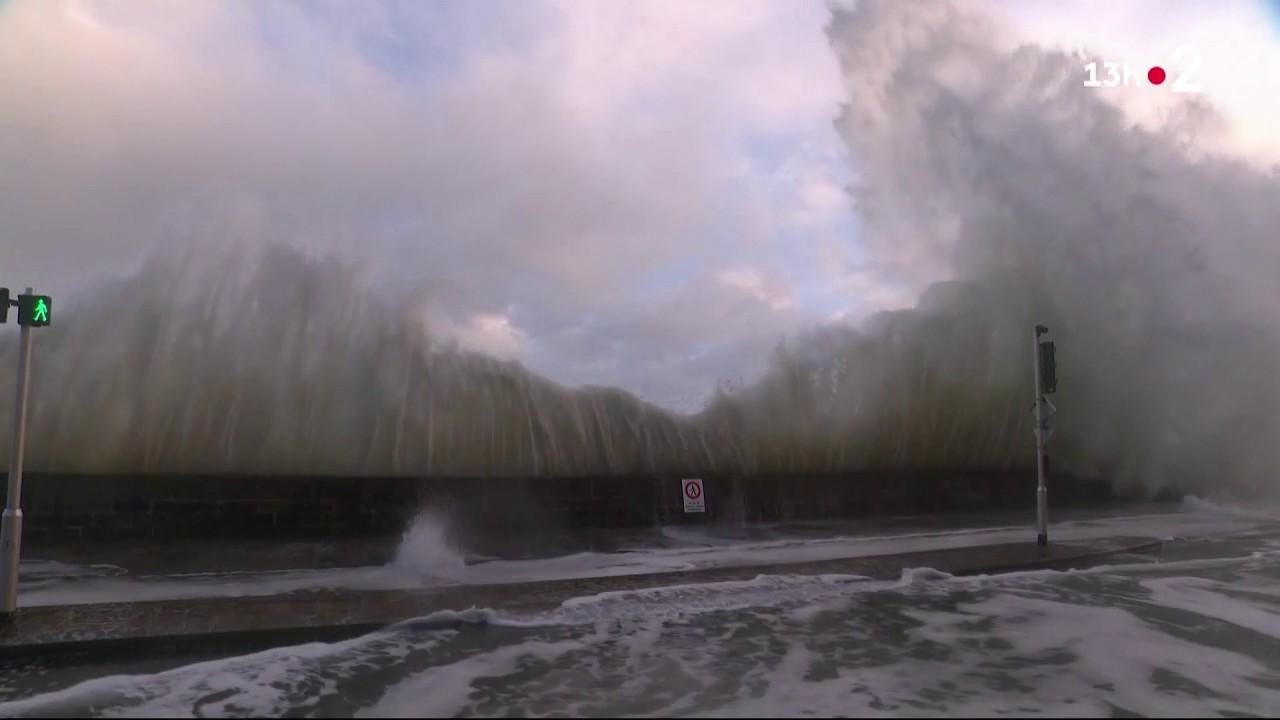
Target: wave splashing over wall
(275,362)
(1154,265)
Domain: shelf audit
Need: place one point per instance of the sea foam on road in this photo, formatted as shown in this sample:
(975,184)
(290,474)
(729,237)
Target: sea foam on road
(1177,639)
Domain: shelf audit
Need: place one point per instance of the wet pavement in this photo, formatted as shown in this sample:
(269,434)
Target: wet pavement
(332,614)
(144,557)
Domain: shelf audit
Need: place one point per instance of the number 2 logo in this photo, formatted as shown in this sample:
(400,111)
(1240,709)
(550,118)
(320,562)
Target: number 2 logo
(1186,60)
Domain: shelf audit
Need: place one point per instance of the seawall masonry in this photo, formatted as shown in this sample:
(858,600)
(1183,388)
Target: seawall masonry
(78,508)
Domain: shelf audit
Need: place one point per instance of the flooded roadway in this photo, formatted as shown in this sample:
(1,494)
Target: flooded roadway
(1196,633)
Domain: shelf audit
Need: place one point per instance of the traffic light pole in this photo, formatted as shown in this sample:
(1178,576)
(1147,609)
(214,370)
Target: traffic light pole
(11,521)
(1042,454)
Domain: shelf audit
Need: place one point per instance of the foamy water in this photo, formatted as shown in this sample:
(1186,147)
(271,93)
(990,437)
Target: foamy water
(1186,639)
(426,559)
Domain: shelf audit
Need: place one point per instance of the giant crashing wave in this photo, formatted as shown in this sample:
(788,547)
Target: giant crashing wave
(1152,264)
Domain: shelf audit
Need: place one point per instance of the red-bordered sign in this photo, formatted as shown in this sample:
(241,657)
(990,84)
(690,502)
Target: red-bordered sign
(693,491)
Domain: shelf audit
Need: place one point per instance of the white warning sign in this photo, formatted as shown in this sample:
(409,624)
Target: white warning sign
(694,498)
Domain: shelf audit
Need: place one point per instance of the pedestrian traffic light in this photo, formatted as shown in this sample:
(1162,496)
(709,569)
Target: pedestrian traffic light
(35,310)
(1048,368)
(4,305)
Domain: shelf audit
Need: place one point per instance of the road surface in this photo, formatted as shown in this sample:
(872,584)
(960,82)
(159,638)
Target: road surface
(1196,632)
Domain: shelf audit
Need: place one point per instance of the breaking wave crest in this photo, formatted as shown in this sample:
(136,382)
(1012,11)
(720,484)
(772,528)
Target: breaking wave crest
(1152,263)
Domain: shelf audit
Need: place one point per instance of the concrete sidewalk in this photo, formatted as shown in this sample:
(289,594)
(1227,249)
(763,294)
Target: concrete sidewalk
(247,623)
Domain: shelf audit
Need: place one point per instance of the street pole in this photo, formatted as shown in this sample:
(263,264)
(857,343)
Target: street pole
(1042,456)
(11,521)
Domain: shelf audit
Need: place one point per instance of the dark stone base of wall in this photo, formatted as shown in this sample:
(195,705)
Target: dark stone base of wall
(63,508)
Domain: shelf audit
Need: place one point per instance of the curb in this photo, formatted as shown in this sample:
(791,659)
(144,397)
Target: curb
(237,642)
(1061,563)
(233,642)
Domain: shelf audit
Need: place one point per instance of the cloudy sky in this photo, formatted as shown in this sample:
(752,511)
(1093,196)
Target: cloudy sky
(646,194)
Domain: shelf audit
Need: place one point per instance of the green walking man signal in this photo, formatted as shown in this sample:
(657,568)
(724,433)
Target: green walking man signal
(33,310)
(40,315)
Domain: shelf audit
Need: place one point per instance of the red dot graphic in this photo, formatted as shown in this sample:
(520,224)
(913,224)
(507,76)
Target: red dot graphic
(1156,75)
